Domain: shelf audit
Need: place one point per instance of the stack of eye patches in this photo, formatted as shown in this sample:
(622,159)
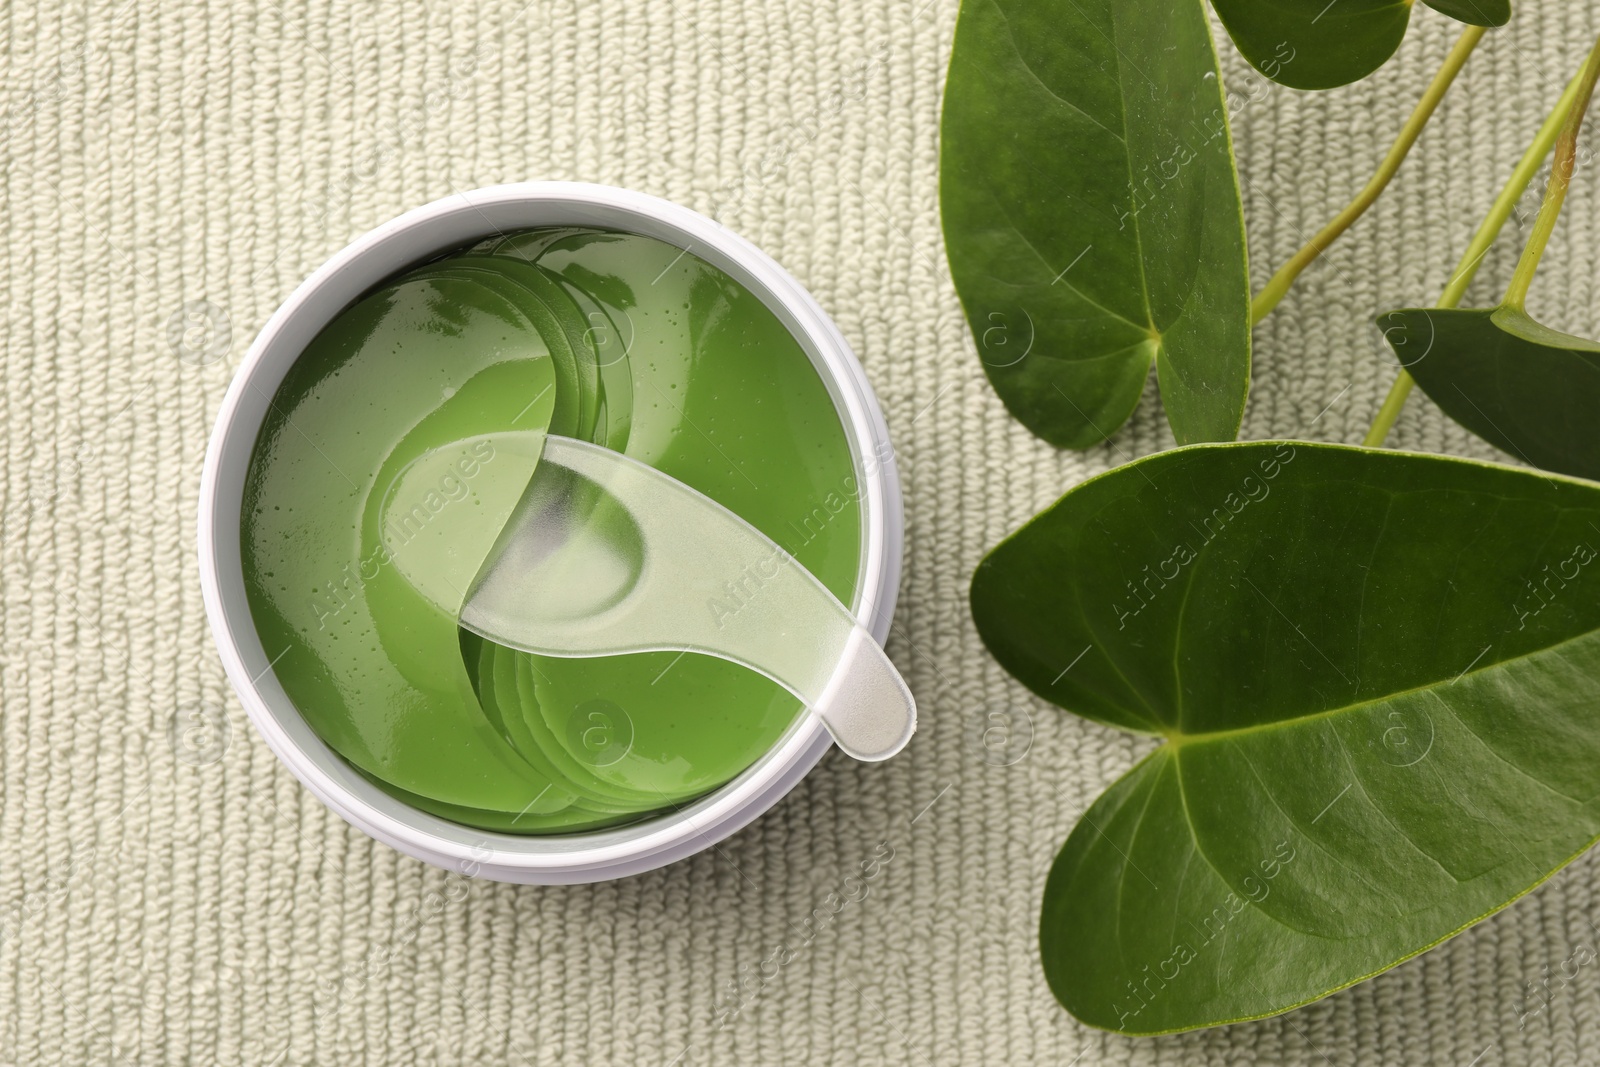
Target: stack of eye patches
(405,434)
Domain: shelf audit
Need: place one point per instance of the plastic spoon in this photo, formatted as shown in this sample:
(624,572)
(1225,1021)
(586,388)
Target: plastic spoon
(604,555)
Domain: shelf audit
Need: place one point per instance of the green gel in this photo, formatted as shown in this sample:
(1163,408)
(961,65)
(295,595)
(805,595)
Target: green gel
(399,437)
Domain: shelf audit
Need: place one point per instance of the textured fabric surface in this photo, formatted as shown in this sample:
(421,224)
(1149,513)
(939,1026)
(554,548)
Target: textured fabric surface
(169,893)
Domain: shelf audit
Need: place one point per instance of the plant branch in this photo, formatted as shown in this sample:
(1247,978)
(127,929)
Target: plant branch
(1280,283)
(1482,241)
(1555,193)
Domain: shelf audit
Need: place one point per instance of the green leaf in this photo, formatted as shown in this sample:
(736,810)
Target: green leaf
(1375,675)
(1315,44)
(1092,217)
(1526,389)
(1474,12)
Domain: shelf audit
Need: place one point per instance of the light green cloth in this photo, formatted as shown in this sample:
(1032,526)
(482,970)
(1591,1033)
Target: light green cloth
(161,911)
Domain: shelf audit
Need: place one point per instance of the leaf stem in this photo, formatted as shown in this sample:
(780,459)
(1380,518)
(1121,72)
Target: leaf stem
(1555,193)
(1279,285)
(1482,241)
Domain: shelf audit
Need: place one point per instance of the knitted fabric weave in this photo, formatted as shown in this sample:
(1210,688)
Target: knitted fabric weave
(170,894)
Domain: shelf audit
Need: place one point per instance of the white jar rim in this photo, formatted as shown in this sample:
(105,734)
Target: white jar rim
(425,233)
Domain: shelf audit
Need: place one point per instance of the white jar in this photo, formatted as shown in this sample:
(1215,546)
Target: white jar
(444,226)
